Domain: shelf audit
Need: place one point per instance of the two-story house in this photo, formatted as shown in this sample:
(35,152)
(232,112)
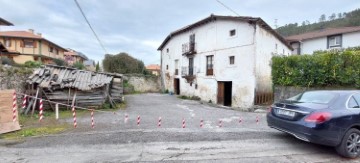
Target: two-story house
(27,46)
(154,69)
(221,59)
(324,39)
(72,56)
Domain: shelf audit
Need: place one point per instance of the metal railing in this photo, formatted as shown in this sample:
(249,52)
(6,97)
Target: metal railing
(187,71)
(189,47)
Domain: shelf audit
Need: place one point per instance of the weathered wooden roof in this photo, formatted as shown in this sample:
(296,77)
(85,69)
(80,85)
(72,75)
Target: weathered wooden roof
(59,77)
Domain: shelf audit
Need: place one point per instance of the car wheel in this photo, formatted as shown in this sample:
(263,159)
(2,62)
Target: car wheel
(350,144)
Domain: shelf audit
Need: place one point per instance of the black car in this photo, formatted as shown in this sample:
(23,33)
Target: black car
(329,118)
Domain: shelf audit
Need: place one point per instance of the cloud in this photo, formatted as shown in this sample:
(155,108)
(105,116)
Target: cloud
(139,26)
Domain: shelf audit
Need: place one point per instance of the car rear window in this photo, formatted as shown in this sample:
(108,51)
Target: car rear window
(314,97)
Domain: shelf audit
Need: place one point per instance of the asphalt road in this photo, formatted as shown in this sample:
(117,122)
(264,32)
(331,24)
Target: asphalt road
(114,140)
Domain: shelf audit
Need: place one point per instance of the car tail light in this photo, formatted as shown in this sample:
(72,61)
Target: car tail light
(318,117)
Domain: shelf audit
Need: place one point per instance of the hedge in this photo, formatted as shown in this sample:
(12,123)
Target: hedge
(323,68)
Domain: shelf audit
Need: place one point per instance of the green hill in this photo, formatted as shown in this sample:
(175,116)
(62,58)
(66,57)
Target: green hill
(334,20)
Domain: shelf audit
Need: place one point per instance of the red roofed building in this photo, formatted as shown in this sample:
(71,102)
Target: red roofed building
(22,46)
(325,39)
(154,69)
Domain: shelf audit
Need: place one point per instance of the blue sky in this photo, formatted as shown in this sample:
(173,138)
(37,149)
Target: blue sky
(139,26)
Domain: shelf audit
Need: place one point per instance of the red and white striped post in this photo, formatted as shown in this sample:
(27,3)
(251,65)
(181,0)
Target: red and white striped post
(183,123)
(159,122)
(92,119)
(74,116)
(41,116)
(201,123)
(126,118)
(14,109)
(24,102)
(138,120)
(220,123)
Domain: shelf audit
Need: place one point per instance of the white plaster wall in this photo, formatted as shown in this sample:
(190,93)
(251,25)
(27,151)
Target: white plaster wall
(267,46)
(309,46)
(213,39)
(351,39)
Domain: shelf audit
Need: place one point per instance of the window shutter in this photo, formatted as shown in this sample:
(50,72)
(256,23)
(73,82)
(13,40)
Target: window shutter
(22,43)
(34,44)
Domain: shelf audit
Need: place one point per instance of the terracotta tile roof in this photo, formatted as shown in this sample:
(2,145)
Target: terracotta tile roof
(75,53)
(21,34)
(322,33)
(26,34)
(153,67)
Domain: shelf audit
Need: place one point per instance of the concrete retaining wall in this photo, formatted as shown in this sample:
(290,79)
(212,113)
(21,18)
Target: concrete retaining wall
(142,83)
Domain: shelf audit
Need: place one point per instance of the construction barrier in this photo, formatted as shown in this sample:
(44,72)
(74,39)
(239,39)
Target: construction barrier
(73,109)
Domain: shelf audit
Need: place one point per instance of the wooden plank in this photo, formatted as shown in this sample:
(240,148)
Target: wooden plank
(6,113)
(220,95)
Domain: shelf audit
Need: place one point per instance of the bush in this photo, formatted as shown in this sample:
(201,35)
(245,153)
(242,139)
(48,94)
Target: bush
(59,62)
(323,68)
(6,61)
(32,64)
(79,65)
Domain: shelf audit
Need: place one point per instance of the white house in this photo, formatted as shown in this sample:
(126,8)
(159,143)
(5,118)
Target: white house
(325,39)
(222,59)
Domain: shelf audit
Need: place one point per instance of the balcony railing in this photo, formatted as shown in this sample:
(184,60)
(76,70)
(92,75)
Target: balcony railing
(189,49)
(188,71)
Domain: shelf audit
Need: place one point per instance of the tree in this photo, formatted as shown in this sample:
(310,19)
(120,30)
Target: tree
(79,65)
(97,67)
(303,23)
(339,15)
(332,16)
(322,18)
(122,63)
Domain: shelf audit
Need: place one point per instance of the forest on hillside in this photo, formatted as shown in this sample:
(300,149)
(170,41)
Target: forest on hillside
(334,20)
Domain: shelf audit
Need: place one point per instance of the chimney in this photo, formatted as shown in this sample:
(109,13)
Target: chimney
(31,31)
(39,34)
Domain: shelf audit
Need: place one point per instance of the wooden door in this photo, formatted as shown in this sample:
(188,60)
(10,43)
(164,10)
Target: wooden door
(220,93)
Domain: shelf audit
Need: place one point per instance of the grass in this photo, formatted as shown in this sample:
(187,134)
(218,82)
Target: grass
(189,98)
(36,131)
(32,127)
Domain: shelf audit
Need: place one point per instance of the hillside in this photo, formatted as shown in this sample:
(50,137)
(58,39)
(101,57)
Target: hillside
(334,20)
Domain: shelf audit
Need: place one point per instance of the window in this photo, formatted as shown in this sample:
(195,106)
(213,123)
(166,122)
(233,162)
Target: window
(167,50)
(7,42)
(232,32)
(51,49)
(176,67)
(276,48)
(334,41)
(352,103)
(209,65)
(56,51)
(167,67)
(29,43)
(232,60)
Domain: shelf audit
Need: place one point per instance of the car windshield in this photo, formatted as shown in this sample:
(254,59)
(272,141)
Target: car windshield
(313,97)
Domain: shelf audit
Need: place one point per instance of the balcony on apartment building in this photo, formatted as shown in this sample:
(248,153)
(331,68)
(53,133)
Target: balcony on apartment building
(189,49)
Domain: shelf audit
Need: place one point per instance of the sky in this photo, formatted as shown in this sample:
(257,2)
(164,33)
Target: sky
(138,27)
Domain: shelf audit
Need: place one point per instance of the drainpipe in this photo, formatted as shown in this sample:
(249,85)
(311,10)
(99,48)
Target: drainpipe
(162,75)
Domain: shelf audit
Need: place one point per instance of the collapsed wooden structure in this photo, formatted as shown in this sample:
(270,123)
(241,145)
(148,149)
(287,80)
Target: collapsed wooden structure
(74,87)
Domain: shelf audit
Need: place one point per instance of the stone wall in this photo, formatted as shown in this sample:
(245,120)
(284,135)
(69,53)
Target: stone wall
(141,83)
(283,92)
(14,78)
